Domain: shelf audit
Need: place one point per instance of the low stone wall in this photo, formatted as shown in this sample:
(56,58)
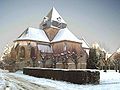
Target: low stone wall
(77,76)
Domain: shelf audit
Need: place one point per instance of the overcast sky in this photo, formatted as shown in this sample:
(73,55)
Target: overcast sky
(95,20)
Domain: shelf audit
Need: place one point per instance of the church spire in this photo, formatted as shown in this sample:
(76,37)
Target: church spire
(53,19)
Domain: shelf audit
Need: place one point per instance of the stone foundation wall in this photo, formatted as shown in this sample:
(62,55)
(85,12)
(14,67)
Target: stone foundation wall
(77,76)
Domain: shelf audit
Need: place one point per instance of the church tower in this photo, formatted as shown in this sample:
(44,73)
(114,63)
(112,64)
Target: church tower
(52,23)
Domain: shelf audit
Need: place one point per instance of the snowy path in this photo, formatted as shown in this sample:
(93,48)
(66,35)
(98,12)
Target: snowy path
(20,84)
(13,82)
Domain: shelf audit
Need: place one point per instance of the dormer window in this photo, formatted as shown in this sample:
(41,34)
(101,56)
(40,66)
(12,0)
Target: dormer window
(54,20)
(59,19)
(55,23)
(45,24)
(45,19)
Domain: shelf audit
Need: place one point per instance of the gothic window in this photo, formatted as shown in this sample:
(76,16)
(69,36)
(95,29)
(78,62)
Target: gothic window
(22,53)
(32,53)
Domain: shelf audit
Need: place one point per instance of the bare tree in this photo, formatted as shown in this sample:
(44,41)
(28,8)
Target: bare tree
(117,61)
(6,57)
(75,57)
(115,65)
(106,64)
(44,57)
(55,58)
(64,57)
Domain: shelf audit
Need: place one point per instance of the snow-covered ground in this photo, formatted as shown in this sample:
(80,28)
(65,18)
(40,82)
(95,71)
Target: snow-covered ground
(17,81)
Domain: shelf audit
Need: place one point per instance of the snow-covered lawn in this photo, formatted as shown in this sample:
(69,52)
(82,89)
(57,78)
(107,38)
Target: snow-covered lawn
(108,81)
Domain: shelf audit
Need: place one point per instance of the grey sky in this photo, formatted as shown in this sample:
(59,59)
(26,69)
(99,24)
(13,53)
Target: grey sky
(95,20)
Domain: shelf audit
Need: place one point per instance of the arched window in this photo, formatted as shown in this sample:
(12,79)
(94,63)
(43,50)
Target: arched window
(22,53)
(32,53)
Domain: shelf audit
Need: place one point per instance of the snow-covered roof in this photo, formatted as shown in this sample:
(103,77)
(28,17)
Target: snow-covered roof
(53,19)
(118,51)
(108,55)
(84,43)
(54,15)
(65,34)
(33,34)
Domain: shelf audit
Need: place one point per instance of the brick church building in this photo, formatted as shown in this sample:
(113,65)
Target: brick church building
(52,45)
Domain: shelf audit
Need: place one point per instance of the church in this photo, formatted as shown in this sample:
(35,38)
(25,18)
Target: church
(52,45)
